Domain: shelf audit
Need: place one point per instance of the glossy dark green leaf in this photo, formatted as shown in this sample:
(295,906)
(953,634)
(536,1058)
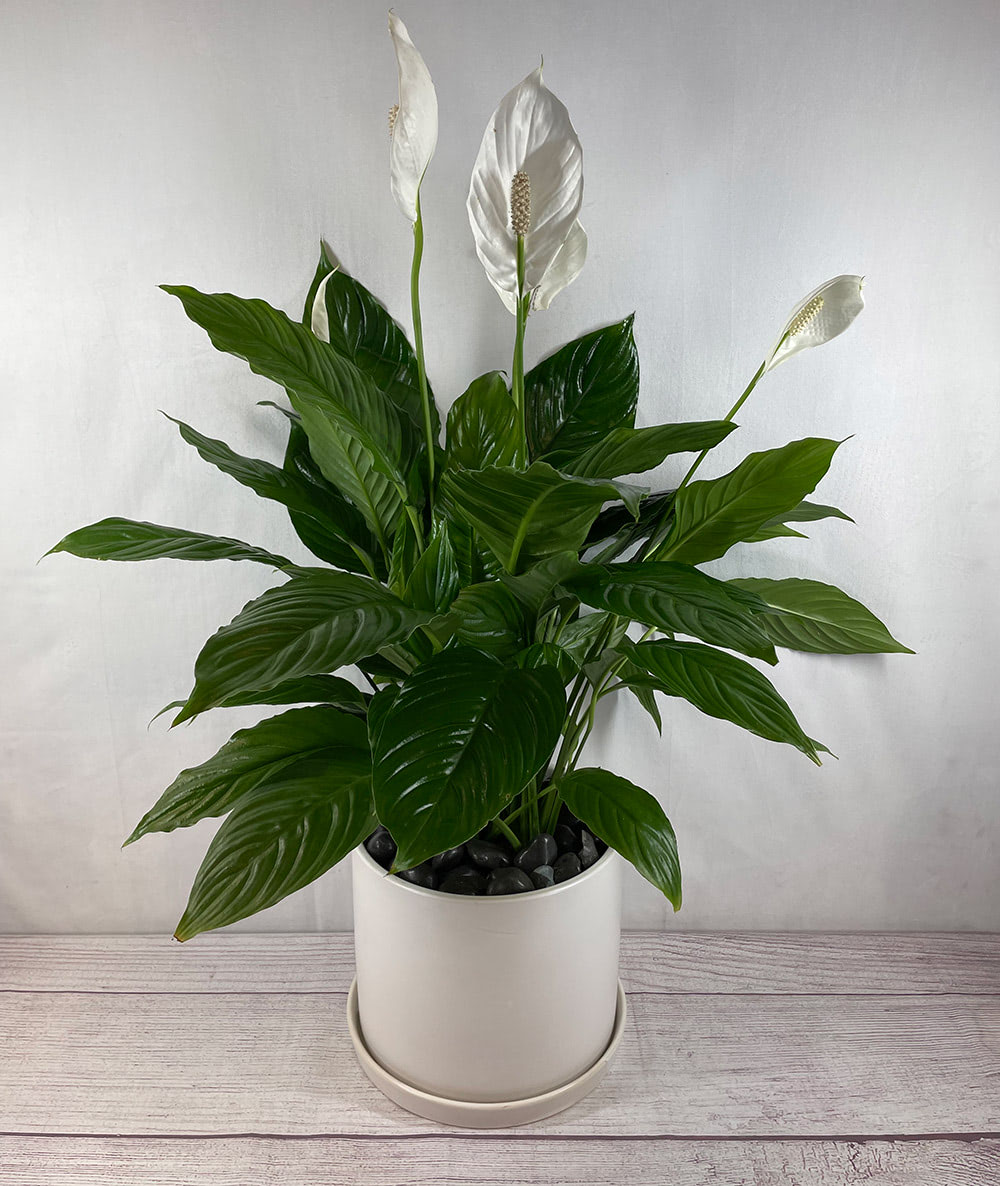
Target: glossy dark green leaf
(635,450)
(579,394)
(317,622)
(581,637)
(356,435)
(525,515)
(711,516)
(675,597)
(253,758)
(647,699)
(486,616)
(335,530)
(434,581)
(822,619)
(548,654)
(464,735)
(482,425)
(721,686)
(537,586)
(126,539)
(631,821)
(360,328)
(280,838)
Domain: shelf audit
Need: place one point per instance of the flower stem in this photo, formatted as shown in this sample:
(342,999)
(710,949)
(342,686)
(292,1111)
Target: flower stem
(517,377)
(660,534)
(418,340)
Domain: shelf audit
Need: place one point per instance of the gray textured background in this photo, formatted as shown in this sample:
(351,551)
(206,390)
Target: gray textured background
(736,155)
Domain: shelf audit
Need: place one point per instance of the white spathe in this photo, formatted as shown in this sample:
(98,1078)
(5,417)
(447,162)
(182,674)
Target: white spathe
(839,301)
(563,270)
(320,318)
(415,128)
(530,132)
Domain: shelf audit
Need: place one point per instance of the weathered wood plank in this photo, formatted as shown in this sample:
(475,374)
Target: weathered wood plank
(493,1161)
(690,1066)
(651,962)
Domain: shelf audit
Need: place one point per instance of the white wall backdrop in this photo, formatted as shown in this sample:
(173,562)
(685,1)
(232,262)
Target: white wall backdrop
(736,154)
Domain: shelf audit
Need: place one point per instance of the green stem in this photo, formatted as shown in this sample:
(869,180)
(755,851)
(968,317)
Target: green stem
(660,534)
(517,376)
(418,340)
(499,824)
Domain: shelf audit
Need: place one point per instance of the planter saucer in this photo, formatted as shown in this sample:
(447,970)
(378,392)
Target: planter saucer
(504,1114)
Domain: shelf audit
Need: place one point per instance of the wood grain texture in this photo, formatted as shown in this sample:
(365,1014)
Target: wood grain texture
(692,1066)
(493,1161)
(652,962)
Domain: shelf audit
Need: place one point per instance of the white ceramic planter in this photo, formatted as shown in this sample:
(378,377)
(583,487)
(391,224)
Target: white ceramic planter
(487,1001)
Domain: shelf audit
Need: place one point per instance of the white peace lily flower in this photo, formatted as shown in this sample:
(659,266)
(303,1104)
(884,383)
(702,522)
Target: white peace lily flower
(822,315)
(563,270)
(413,123)
(529,136)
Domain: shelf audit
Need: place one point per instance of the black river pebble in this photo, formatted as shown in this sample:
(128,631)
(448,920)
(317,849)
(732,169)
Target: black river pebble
(567,866)
(566,838)
(381,846)
(588,849)
(420,875)
(543,850)
(463,881)
(509,881)
(486,855)
(449,859)
(543,877)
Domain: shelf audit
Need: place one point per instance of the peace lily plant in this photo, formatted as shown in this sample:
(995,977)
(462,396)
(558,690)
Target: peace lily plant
(487,594)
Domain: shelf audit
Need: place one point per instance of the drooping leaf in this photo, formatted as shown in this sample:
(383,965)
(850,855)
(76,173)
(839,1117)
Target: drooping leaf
(721,686)
(675,597)
(252,758)
(127,539)
(359,327)
(822,619)
(537,585)
(631,821)
(482,425)
(356,435)
(280,838)
(330,527)
(635,450)
(319,621)
(464,735)
(711,516)
(525,515)
(583,391)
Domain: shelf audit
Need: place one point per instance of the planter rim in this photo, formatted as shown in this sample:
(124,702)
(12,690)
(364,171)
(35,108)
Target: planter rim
(407,886)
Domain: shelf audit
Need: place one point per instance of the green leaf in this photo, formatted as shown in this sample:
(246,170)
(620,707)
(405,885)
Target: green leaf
(647,698)
(252,758)
(486,616)
(433,584)
(535,587)
(482,426)
(631,821)
(362,331)
(579,394)
(526,515)
(317,622)
(280,838)
(125,539)
(822,619)
(464,735)
(675,597)
(721,686)
(635,450)
(334,531)
(805,512)
(548,654)
(579,637)
(355,432)
(711,516)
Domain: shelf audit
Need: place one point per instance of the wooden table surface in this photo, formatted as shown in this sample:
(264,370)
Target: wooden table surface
(763,1059)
